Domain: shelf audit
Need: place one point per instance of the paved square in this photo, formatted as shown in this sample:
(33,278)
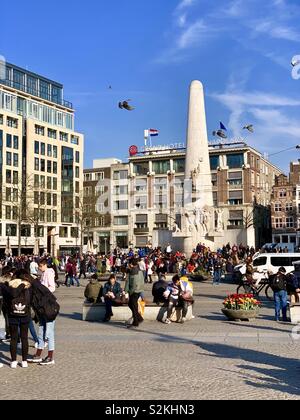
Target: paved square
(206,358)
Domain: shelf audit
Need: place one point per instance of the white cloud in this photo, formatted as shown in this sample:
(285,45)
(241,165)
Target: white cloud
(274,30)
(254,99)
(181,20)
(276,123)
(185,3)
(192,34)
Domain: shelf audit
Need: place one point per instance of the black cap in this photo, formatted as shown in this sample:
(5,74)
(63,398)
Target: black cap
(282,270)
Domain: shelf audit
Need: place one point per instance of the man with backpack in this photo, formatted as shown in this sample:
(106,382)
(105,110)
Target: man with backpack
(46,308)
(278,284)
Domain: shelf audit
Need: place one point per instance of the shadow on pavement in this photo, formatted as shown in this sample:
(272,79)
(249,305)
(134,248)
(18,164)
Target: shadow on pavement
(278,373)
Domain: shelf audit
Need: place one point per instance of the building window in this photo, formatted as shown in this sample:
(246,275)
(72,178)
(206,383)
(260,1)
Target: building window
(26,231)
(11,230)
(8,176)
(16,142)
(87,177)
(289,222)
(54,186)
(235,198)
(36,164)
(54,216)
(63,231)
(141,221)
(161,221)
(36,197)
(120,175)
(161,166)
(77,157)
(74,139)
(141,185)
(48,199)
(36,147)
(1,119)
(235,178)
(74,232)
(214,162)
(99,176)
(49,150)
(141,202)
(141,168)
(277,207)
(235,160)
(214,179)
(55,167)
(118,189)
(278,222)
(121,220)
(179,165)
(63,136)
(43,149)
(121,205)
(42,165)
(160,184)
(8,158)
(39,130)
(54,199)
(282,193)
(15,177)
(76,171)
(8,140)
(235,218)
(43,181)
(49,165)
(55,152)
(49,219)
(289,207)
(51,133)
(16,159)
(12,122)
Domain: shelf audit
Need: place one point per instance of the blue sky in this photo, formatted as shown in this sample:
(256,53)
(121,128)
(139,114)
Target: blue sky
(150,51)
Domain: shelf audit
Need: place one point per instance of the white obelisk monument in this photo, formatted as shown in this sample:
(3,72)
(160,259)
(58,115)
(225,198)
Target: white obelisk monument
(197,220)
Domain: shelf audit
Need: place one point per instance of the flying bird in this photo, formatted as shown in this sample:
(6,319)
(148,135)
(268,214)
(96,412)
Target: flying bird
(219,133)
(249,127)
(294,63)
(125,105)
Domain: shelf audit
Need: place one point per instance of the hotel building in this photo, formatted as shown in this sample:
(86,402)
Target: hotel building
(41,165)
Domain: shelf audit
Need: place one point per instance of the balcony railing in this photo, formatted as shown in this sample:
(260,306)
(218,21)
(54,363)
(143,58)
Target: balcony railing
(35,92)
(141,231)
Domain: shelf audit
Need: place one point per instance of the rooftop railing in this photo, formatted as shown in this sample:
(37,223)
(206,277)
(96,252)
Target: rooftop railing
(35,92)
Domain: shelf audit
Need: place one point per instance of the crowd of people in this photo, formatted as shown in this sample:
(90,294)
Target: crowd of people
(28,283)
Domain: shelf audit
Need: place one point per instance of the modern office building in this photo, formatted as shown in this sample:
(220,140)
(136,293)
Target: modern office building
(41,165)
(147,196)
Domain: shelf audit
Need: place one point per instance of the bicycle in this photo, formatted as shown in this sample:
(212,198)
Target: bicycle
(248,287)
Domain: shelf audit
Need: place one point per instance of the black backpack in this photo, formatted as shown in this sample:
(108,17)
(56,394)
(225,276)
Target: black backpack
(44,303)
(278,283)
(20,306)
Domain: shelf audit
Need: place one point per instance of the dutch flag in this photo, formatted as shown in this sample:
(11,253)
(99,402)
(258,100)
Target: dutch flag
(153,132)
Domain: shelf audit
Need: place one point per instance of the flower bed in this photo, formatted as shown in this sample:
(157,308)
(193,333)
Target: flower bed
(241,302)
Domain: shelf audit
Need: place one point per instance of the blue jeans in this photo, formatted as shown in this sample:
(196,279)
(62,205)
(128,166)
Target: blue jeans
(46,331)
(280,299)
(72,281)
(33,331)
(217,276)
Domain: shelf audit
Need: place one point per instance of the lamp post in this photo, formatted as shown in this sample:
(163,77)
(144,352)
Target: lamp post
(105,246)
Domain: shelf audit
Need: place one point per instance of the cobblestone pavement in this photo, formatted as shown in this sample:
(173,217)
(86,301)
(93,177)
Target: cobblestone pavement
(206,358)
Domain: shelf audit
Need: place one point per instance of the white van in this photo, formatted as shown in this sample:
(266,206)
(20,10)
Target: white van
(272,262)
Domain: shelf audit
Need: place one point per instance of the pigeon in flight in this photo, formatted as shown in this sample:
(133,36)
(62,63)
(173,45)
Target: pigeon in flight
(220,133)
(125,105)
(249,127)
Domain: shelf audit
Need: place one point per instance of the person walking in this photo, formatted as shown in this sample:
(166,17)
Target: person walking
(134,287)
(278,284)
(218,270)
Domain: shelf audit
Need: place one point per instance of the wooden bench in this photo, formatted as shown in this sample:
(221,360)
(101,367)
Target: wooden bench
(96,312)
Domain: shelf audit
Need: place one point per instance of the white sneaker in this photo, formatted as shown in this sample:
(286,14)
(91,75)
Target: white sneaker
(14,365)
(167,321)
(36,345)
(24,364)
(183,320)
(19,345)
(1,365)
(45,344)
